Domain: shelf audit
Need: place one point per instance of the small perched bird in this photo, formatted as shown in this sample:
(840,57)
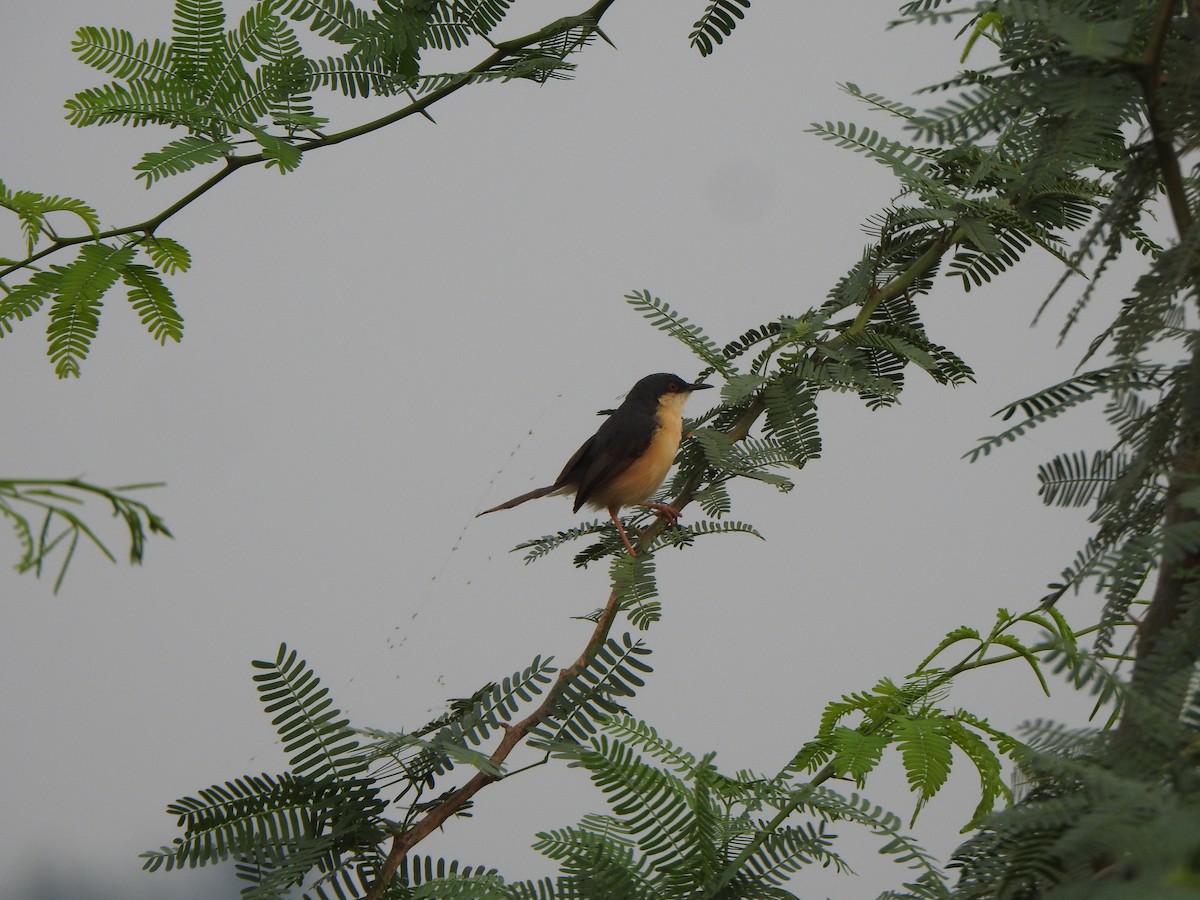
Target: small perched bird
(626,460)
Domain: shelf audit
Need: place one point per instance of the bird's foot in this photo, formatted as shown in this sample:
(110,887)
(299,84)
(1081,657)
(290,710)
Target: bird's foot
(670,513)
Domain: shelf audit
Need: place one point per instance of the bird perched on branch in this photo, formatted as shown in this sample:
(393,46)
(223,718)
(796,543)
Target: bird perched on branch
(626,460)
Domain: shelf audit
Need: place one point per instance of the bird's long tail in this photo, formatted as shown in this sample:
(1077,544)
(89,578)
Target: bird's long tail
(517,501)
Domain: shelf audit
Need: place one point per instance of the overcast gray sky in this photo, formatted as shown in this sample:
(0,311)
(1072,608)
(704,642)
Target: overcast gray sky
(421,323)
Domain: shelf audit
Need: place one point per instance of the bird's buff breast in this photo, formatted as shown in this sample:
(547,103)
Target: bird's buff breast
(643,477)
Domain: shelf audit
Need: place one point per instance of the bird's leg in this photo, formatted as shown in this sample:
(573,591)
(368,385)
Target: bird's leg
(612,513)
(670,513)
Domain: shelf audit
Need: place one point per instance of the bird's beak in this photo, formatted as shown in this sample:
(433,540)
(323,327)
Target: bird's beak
(699,387)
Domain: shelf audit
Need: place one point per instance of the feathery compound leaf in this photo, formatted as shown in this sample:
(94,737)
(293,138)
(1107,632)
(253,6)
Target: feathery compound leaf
(539,547)
(615,671)
(1071,480)
(685,535)
(277,151)
(482,15)
(597,859)
(358,78)
(633,580)
(651,803)
(23,301)
(714,499)
(114,51)
(32,208)
(24,534)
(338,20)
(993,253)
(473,720)
(279,829)
(665,319)
(287,78)
(748,459)
(168,256)
(857,754)
(181,156)
(792,418)
(643,735)
(986,763)
(75,314)
(152,301)
(910,165)
(435,878)
(199,30)
(321,744)
(788,849)
(1057,399)
(925,750)
(716,23)
(961,633)
(138,103)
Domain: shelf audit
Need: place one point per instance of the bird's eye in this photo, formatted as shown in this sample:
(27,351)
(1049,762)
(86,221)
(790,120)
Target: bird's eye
(674,387)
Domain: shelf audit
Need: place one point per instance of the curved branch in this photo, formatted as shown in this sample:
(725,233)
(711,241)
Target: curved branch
(513,736)
(502,51)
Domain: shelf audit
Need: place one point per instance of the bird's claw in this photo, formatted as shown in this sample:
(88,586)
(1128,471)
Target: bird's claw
(670,513)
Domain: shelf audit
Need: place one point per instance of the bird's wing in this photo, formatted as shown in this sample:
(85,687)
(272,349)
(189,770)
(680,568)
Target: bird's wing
(606,455)
(570,474)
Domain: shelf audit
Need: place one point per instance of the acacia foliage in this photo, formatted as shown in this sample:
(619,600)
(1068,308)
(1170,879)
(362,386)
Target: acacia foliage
(243,94)
(1083,127)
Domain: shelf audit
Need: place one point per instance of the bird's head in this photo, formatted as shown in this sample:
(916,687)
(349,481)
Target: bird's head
(663,389)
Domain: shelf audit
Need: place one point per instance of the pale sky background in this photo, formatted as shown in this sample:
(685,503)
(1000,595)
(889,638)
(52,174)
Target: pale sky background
(421,323)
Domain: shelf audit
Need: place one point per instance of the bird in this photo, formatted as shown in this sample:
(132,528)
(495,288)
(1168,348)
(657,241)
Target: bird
(628,457)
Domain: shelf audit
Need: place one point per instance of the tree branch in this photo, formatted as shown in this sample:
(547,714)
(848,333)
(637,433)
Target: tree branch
(502,51)
(1166,605)
(513,735)
(1150,75)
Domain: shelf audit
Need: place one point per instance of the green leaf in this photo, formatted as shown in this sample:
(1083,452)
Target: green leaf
(665,319)
(986,763)
(152,301)
(792,418)
(857,754)
(961,633)
(115,52)
(338,20)
(633,581)
(719,19)
(910,164)
(140,103)
(23,301)
(198,33)
(1089,38)
(168,256)
(75,314)
(181,156)
(32,208)
(925,751)
(277,151)
(723,454)
(1070,479)
(320,741)
(738,388)
(1014,643)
